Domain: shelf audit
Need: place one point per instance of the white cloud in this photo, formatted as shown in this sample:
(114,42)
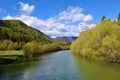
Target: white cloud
(74,14)
(83,26)
(87,18)
(66,23)
(26,8)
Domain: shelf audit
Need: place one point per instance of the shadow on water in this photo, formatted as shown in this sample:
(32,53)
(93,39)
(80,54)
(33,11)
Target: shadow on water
(97,70)
(17,69)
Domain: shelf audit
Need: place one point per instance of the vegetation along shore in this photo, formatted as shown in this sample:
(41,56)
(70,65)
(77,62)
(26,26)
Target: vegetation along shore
(100,42)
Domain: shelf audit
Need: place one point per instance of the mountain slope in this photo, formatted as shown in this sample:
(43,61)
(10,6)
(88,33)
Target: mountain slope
(17,31)
(66,40)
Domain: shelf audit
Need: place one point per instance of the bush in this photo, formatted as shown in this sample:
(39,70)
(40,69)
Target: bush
(102,41)
(10,45)
(36,48)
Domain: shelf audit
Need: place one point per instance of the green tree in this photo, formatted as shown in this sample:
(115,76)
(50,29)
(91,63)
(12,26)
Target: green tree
(100,42)
(104,17)
(118,19)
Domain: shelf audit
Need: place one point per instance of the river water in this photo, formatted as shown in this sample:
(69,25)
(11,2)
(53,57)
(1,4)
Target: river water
(61,65)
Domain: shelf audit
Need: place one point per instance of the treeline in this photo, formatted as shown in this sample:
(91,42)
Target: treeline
(37,48)
(10,45)
(101,42)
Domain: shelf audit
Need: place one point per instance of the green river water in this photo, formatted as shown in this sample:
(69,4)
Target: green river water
(61,65)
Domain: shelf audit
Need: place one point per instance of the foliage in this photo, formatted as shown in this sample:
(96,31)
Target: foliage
(102,41)
(10,45)
(16,30)
(118,19)
(64,47)
(36,48)
(103,18)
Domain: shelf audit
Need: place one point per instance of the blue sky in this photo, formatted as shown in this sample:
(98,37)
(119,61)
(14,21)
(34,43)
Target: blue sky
(59,17)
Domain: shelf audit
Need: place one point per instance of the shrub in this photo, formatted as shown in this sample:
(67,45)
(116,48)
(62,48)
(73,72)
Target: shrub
(10,45)
(102,41)
(36,48)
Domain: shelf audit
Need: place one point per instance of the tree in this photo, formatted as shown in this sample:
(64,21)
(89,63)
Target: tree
(118,19)
(100,42)
(103,18)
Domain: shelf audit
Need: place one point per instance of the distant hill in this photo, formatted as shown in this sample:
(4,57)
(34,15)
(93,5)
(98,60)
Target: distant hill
(17,31)
(66,40)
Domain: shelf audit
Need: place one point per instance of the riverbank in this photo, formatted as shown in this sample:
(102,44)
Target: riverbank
(30,50)
(101,42)
(10,56)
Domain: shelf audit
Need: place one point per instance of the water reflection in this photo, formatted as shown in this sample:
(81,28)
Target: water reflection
(19,69)
(97,70)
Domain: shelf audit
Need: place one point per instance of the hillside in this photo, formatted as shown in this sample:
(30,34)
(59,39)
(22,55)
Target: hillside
(65,40)
(19,42)
(101,42)
(16,31)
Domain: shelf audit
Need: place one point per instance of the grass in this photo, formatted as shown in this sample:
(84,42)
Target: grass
(11,54)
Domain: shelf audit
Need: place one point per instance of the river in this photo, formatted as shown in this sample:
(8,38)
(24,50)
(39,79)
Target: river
(61,65)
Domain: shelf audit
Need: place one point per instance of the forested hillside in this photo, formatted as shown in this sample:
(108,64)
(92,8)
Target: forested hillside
(14,34)
(65,40)
(101,42)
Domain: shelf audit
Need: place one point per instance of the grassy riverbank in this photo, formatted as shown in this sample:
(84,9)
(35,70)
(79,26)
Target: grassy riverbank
(30,49)
(7,57)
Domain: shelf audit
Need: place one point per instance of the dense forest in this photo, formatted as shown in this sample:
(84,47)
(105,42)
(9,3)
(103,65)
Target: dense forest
(100,42)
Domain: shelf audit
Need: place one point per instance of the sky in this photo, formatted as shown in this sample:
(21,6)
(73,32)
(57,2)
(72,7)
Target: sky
(59,17)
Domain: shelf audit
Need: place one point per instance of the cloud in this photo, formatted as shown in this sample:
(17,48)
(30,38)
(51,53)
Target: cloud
(74,14)
(87,18)
(26,8)
(67,23)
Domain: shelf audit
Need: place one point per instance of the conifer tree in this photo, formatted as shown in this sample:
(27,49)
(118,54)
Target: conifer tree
(103,18)
(118,19)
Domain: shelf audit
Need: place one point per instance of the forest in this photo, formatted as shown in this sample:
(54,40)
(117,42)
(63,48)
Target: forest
(100,42)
